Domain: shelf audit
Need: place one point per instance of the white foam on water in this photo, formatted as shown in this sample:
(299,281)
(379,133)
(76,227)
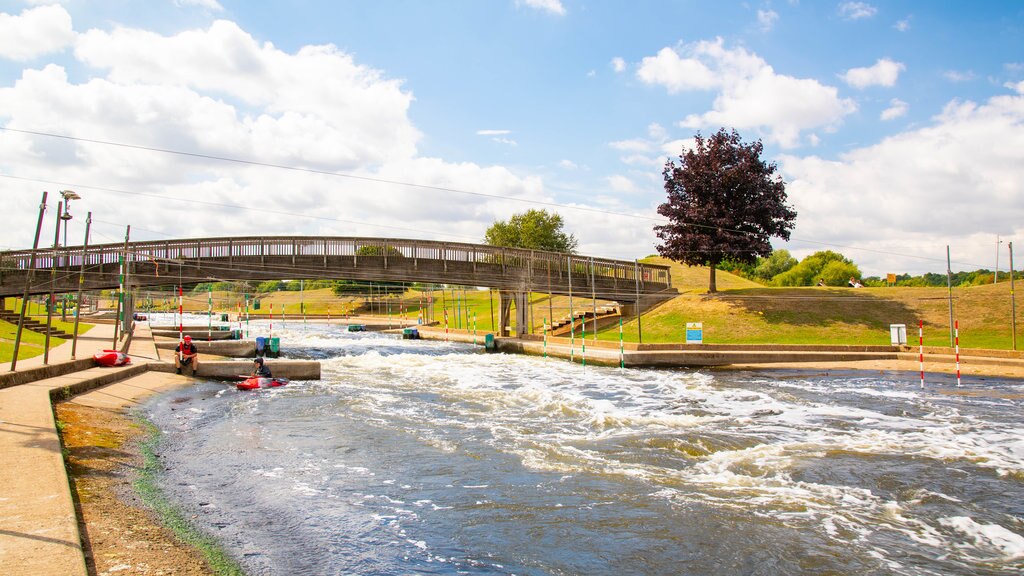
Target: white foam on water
(1007,543)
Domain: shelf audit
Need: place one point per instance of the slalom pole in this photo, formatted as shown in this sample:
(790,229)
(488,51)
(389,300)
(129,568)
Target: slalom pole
(920,337)
(474,328)
(583,340)
(389,313)
(328,314)
(271,320)
(247,318)
(209,315)
(622,350)
(181,325)
(572,337)
(446,324)
(284,318)
(302,303)
(238,315)
(545,337)
(956,336)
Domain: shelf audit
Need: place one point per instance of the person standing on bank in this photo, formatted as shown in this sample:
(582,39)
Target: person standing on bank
(186,354)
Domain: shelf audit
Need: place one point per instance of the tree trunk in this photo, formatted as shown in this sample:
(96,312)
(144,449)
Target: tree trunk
(712,287)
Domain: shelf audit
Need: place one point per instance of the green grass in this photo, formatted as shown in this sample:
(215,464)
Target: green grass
(170,515)
(32,343)
(743,312)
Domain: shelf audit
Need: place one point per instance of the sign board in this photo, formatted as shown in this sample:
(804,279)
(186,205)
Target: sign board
(898,334)
(694,333)
(890,278)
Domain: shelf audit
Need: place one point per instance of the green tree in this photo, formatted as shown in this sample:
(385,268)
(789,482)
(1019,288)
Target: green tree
(723,201)
(778,262)
(533,230)
(810,270)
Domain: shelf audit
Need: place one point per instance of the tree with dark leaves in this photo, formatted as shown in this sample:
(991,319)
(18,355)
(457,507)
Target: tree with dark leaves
(723,202)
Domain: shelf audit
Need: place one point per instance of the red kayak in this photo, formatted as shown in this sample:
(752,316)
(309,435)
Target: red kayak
(256,382)
(111,358)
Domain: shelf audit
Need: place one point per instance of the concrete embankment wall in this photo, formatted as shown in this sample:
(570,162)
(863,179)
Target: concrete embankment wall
(232,369)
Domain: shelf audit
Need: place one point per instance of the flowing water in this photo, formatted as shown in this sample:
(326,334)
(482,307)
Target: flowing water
(415,457)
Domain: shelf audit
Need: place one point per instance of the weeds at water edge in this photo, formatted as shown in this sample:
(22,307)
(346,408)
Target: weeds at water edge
(169,514)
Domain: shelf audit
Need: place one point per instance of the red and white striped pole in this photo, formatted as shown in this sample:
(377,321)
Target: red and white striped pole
(328,314)
(920,338)
(271,319)
(956,332)
(445,324)
(181,324)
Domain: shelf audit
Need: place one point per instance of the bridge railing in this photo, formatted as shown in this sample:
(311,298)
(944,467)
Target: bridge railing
(538,264)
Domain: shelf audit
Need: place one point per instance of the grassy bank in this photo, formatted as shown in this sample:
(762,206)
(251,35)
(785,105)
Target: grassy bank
(170,515)
(742,312)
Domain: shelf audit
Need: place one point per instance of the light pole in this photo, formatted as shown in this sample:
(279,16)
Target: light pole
(995,277)
(68,196)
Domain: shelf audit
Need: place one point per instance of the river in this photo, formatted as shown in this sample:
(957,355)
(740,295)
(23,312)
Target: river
(416,457)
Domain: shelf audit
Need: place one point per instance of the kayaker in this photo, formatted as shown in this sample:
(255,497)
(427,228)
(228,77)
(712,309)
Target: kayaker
(186,354)
(260,369)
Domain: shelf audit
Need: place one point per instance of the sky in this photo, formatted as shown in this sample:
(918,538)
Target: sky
(898,127)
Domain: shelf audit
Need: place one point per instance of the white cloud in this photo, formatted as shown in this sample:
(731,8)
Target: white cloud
(552,6)
(35,32)
(568,164)
(493,132)
(505,141)
(957,76)
(622,184)
(920,190)
(767,19)
(903,25)
(897,109)
(856,10)
(218,92)
(618,64)
(885,72)
(635,145)
(750,93)
(211,5)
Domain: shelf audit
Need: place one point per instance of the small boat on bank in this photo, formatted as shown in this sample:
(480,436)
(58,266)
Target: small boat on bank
(257,382)
(111,358)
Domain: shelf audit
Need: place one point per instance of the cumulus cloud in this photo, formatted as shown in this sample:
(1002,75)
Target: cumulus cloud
(493,132)
(884,72)
(897,109)
(767,19)
(620,183)
(342,127)
(750,93)
(35,32)
(618,64)
(856,10)
(552,6)
(919,189)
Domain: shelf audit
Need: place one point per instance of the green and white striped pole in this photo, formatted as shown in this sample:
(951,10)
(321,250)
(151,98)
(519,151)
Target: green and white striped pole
(583,340)
(622,350)
(545,337)
(209,314)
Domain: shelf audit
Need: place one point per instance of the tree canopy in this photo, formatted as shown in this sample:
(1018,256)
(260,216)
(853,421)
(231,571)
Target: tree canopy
(533,230)
(723,202)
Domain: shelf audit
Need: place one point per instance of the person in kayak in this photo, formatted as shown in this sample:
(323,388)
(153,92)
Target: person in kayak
(260,369)
(186,354)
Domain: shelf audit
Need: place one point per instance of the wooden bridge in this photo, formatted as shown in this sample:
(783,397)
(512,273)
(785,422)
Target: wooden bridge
(513,272)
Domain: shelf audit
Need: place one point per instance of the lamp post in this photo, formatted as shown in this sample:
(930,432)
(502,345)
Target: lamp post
(68,196)
(995,277)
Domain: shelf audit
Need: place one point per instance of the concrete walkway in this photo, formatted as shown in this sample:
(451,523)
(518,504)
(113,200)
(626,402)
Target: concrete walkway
(38,526)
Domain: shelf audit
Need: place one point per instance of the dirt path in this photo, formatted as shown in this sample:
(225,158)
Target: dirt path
(120,535)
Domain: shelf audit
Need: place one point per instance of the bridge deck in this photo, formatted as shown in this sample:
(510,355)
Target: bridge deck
(293,257)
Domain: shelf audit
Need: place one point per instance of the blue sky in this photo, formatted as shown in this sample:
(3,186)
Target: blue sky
(897,126)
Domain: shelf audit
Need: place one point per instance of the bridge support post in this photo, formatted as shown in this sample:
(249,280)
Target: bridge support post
(506,299)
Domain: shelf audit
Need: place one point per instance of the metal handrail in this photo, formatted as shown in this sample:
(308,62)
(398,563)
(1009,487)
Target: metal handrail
(536,261)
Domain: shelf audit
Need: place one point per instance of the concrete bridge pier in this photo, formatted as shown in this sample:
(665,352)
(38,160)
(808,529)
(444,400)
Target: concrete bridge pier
(506,299)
